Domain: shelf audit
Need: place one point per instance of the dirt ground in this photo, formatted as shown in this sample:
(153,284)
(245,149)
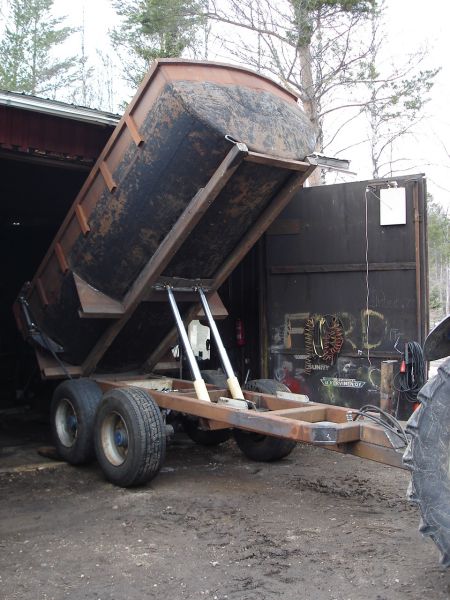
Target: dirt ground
(215,526)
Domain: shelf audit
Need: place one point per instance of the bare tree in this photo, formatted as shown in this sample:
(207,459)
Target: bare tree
(397,95)
(105,82)
(330,53)
(83,91)
(313,47)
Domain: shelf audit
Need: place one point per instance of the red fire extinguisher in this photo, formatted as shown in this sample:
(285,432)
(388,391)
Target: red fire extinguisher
(240,336)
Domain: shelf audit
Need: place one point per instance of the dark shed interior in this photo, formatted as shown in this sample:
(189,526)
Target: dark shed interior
(44,160)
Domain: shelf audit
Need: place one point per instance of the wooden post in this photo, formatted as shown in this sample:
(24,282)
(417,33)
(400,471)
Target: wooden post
(387,385)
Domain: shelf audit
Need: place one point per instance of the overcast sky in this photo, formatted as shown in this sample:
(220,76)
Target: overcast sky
(411,24)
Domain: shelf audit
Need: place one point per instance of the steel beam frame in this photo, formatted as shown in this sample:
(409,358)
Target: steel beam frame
(331,427)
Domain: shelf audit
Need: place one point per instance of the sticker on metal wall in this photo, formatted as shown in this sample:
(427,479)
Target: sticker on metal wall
(342,383)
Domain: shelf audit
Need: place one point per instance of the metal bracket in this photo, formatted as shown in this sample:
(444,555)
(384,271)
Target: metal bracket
(232,403)
(324,433)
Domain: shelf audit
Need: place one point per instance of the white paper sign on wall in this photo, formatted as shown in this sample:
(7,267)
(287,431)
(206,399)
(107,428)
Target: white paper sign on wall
(392,206)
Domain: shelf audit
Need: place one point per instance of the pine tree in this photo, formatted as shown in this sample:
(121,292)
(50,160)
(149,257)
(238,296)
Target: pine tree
(30,35)
(154,29)
(439,259)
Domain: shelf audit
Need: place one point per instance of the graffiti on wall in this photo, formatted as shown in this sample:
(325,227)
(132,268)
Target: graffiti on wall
(349,373)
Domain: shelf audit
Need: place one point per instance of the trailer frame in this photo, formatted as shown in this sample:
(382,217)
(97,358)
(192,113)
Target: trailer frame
(288,416)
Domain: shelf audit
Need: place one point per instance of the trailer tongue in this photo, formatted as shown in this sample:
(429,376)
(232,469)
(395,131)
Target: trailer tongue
(203,161)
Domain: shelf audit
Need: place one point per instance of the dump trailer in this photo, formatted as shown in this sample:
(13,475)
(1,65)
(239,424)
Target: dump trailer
(204,159)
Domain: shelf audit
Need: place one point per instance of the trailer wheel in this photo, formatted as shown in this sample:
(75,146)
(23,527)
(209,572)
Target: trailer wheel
(217,378)
(130,437)
(73,409)
(259,447)
(205,437)
(428,459)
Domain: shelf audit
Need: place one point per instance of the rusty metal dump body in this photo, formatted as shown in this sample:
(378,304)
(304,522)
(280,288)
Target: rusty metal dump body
(171,196)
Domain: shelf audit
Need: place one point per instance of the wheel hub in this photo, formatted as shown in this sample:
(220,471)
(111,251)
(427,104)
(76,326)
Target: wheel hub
(66,423)
(72,423)
(120,438)
(114,438)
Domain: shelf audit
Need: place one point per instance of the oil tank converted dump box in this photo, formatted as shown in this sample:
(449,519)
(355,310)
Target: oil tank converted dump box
(203,160)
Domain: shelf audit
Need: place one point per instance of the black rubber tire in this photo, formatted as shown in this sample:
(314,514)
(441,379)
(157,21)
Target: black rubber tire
(146,433)
(81,398)
(217,378)
(204,437)
(427,457)
(266,386)
(258,447)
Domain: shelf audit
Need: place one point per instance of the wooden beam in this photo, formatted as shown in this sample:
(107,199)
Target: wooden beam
(387,384)
(167,250)
(215,303)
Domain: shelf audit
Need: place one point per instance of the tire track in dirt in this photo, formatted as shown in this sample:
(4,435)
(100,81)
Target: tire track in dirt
(351,486)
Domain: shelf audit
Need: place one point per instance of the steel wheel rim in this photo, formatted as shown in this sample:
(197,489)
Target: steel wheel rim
(66,423)
(114,439)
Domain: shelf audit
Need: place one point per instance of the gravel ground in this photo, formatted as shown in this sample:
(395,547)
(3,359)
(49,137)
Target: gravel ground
(215,526)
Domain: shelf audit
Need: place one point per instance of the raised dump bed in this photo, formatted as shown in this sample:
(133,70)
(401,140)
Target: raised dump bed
(203,160)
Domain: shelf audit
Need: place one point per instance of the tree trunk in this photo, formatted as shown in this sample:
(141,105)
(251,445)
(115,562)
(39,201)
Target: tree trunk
(310,104)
